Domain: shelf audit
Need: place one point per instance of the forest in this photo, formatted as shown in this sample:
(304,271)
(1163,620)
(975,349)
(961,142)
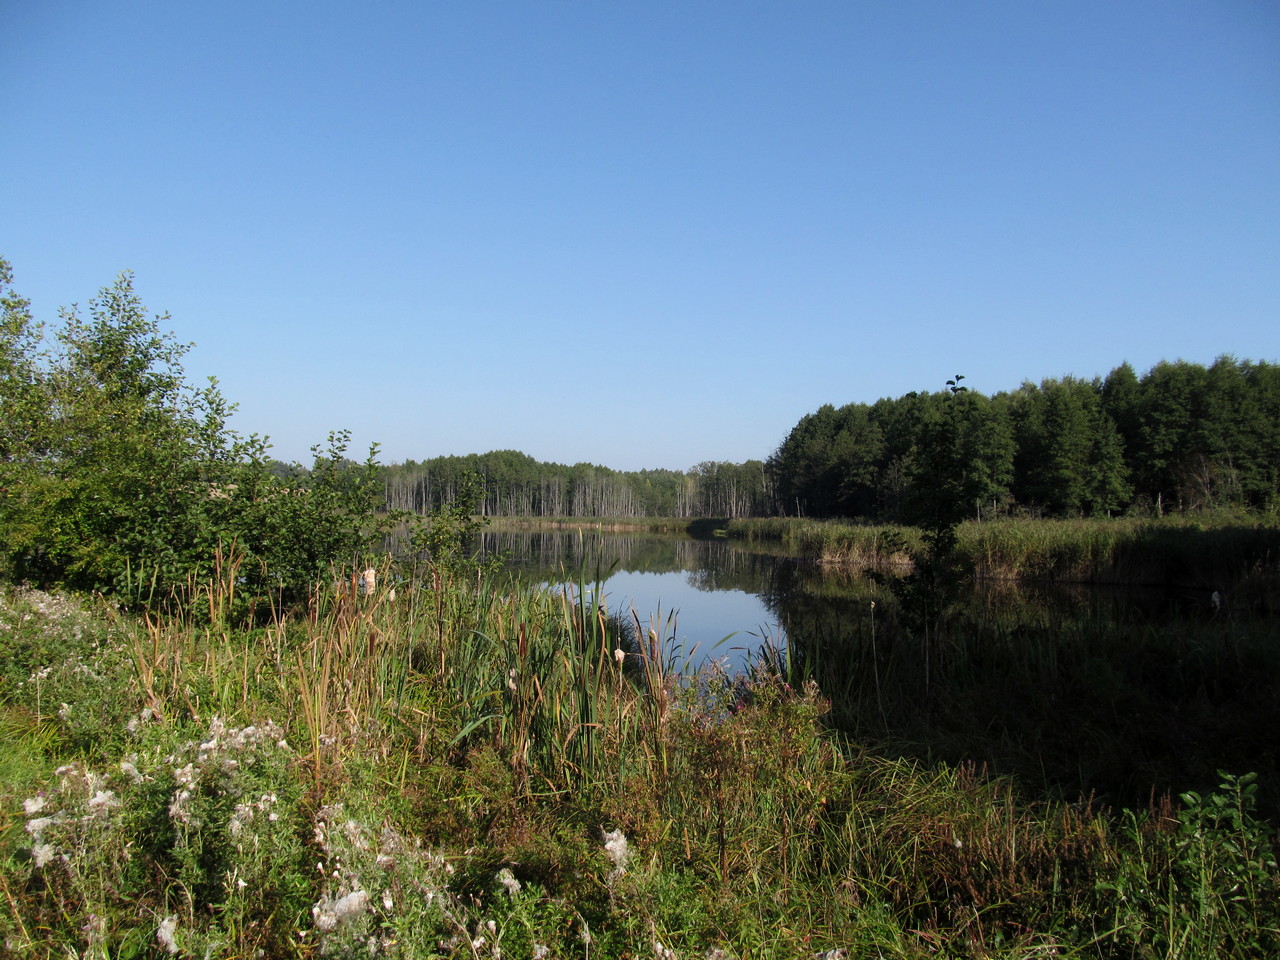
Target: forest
(514,484)
(1181,437)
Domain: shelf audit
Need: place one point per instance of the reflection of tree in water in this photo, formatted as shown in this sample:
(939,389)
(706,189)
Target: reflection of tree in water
(548,554)
(1075,690)
(727,568)
(544,556)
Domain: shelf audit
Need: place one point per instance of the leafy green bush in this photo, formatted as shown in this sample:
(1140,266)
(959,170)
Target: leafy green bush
(117,475)
(1204,884)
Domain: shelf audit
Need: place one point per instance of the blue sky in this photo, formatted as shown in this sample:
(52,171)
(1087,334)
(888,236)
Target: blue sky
(645,234)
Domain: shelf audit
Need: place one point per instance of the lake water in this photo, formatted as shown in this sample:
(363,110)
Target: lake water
(707,599)
(723,599)
(1074,689)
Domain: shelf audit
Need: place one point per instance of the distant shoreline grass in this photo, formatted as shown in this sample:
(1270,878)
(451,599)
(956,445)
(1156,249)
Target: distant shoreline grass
(1201,550)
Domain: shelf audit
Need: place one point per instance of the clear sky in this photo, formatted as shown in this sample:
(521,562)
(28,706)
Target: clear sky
(645,234)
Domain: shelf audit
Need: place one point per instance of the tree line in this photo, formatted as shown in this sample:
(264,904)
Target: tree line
(1183,436)
(511,483)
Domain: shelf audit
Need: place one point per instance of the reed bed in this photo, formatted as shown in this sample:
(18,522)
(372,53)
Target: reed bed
(449,768)
(878,547)
(1211,550)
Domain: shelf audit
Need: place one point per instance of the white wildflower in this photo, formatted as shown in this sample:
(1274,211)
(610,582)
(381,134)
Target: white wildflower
(168,926)
(615,846)
(662,953)
(41,854)
(130,771)
(356,834)
(103,800)
(325,919)
(34,804)
(37,826)
(179,808)
(387,903)
(540,951)
(92,782)
(619,654)
(508,881)
(351,906)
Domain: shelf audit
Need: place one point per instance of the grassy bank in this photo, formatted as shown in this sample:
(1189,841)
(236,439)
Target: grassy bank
(453,770)
(1207,550)
(1204,551)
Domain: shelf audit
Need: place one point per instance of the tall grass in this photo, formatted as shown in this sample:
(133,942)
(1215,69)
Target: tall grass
(458,769)
(1202,550)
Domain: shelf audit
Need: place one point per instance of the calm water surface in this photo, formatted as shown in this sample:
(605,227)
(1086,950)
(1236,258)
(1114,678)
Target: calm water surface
(707,599)
(1086,691)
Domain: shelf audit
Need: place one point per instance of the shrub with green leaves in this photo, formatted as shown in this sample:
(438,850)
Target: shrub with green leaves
(118,475)
(1203,884)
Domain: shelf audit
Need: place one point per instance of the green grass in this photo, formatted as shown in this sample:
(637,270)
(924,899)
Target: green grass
(1211,550)
(462,770)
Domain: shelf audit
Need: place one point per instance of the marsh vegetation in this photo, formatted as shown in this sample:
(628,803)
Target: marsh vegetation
(469,771)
